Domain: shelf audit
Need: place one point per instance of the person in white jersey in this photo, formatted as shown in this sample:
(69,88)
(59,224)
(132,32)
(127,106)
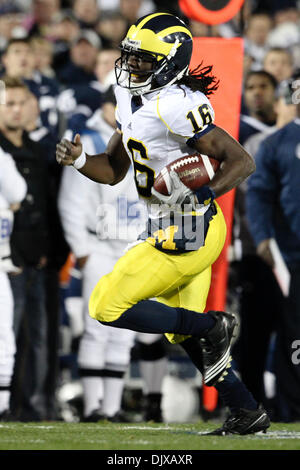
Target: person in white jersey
(12,191)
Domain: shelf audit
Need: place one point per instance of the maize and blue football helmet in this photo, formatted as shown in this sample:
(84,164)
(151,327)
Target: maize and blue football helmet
(159,38)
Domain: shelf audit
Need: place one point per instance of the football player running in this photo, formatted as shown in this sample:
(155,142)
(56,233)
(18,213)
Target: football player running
(163,113)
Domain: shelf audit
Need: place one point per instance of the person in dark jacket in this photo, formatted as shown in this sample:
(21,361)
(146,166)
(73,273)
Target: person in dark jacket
(259,96)
(257,290)
(247,269)
(18,61)
(57,254)
(79,69)
(273,213)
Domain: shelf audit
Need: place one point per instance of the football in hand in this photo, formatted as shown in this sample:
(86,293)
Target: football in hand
(193,170)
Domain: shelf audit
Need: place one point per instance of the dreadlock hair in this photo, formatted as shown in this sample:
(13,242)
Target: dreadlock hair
(200,79)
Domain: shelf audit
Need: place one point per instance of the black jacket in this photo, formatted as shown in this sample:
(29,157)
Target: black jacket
(29,239)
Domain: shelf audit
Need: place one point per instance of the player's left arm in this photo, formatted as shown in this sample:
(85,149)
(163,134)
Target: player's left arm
(237,164)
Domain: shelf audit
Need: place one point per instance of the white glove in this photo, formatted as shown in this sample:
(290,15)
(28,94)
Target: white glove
(180,194)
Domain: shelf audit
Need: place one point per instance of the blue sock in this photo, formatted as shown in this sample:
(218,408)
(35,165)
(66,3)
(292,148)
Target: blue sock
(234,393)
(149,316)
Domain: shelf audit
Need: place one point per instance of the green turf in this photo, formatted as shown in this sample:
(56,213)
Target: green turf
(140,436)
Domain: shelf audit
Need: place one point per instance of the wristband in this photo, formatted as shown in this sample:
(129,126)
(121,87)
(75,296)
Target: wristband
(80,161)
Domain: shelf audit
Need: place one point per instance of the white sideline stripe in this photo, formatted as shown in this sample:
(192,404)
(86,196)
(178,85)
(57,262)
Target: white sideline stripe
(269,435)
(208,166)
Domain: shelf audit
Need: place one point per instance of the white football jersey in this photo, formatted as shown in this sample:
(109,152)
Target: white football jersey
(160,130)
(156,131)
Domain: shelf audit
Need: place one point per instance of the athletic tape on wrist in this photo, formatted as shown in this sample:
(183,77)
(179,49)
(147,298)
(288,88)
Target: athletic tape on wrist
(80,161)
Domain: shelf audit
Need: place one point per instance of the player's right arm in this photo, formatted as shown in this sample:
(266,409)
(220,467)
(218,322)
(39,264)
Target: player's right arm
(109,167)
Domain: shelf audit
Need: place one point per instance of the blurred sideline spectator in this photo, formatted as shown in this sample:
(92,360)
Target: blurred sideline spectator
(79,102)
(104,353)
(236,26)
(12,191)
(87,13)
(199,29)
(81,65)
(260,299)
(285,112)
(273,212)
(19,61)
(256,35)
(112,28)
(259,96)
(279,63)
(43,52)
(29,243)
(11,23)
(64,31)
(40,18)
(132,10)
(105,67)
(58,251)
(110,5)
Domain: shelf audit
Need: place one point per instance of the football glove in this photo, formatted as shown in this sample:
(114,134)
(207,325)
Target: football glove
(179,195)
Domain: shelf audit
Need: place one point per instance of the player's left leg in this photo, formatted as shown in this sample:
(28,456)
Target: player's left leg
(145,272)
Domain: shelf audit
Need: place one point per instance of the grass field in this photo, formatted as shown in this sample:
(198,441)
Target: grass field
(140,436)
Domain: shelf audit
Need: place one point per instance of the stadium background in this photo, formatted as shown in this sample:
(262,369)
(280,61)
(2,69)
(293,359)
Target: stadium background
(256,28)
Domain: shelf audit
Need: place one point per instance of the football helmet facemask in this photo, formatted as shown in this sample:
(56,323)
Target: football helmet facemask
(162,40)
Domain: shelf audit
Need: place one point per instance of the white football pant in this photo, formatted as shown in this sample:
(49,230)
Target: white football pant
(7,340)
